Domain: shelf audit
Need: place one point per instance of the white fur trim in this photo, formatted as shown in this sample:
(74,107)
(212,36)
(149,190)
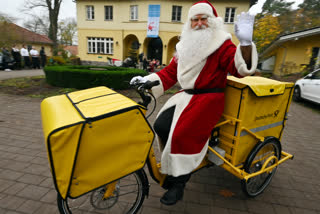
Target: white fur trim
(175,164)
(187,78)
(158,90)
(184,164)
(241,64)
(201,8)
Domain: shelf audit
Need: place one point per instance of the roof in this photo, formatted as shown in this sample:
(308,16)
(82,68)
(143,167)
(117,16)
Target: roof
(73,49)
(29,36)
(291,36)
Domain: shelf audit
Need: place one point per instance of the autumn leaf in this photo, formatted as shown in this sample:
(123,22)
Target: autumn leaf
(226,193)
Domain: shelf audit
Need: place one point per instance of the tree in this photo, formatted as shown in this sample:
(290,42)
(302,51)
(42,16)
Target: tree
(7,36)
(67,31)
(310,13)
(276,7)
(38,24)
(53,7)
(266,29)
(277,18)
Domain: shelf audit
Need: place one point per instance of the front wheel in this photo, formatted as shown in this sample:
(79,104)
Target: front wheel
(297,94)
(258,156)
(127,197)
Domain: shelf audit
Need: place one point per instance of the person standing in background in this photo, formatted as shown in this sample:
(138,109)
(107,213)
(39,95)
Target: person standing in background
(43,57)
(35,58)
(16,56)
(145,63)
(6,59)
(25,55)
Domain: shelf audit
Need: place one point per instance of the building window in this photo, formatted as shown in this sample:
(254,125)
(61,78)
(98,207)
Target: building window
(90,12)
(108,11)
(176,13)
(134,12)
(100,45)
(230,13)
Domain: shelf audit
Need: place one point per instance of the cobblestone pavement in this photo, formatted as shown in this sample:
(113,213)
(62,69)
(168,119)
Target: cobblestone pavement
(26,183)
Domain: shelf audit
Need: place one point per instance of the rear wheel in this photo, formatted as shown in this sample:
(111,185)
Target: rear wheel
(297,94)
(128,197)
(258,156)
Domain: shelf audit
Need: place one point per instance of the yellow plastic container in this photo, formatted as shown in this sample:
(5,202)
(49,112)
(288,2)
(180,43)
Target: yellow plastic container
(257,104)
(93,137)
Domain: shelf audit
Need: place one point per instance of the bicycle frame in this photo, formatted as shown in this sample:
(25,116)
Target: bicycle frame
(154,167)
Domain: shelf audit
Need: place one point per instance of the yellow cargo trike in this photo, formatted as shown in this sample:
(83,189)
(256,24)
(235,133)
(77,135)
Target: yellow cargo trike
(98,142)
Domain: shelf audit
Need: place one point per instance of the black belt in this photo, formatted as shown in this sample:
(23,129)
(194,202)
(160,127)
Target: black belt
(204,91)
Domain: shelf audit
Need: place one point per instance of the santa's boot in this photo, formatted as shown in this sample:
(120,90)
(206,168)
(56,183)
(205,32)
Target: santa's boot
(176,189)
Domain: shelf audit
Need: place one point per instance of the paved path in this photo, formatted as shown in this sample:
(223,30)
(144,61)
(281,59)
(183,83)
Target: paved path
(20,73)
(26,183)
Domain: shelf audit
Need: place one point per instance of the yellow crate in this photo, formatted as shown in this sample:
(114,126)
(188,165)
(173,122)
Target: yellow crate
(93,137)
(258,104)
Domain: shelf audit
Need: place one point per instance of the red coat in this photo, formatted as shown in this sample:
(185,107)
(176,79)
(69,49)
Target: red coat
(195,115)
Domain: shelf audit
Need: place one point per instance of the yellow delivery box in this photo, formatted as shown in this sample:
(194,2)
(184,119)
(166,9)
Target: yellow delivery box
(258,108)
(93,137)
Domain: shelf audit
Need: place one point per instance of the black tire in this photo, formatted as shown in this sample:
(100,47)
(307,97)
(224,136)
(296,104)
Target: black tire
(128,197)
(297,94)
(256,185)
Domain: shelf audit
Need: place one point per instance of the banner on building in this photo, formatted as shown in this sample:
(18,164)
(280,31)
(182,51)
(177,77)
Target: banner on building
(153,21)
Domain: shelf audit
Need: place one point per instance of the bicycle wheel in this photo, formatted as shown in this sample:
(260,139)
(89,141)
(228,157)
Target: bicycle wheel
(128,197)
(258,156)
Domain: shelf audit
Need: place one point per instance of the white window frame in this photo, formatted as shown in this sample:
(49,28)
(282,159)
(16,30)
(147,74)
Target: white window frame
(133,12)
(90,12)
(99,45)
(109,9)
(174,14)
(230,15)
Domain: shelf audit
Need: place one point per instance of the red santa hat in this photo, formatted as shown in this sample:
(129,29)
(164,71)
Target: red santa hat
(202,7)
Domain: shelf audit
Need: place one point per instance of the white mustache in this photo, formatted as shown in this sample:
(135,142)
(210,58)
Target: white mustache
(200,27)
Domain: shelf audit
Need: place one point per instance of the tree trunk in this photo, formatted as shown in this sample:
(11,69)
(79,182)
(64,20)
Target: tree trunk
(53,28)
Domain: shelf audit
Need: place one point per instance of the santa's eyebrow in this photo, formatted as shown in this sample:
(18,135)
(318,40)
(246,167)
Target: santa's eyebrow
(197,18)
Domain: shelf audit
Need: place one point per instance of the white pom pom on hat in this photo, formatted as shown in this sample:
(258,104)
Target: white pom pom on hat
(202,7)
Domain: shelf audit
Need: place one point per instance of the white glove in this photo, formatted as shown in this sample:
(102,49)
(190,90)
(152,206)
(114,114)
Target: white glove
(243,28)
(137,80)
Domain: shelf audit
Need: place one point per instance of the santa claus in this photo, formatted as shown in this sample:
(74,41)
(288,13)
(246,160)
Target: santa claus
(205,55)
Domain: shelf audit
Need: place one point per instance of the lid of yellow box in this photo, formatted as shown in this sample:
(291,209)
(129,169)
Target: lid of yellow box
(99,101)
(259,85)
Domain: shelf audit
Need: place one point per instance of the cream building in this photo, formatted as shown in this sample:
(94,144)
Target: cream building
(292,53)
(118,29)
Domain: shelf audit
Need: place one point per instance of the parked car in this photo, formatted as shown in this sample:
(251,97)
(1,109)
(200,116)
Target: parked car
(10,64)
(308,87)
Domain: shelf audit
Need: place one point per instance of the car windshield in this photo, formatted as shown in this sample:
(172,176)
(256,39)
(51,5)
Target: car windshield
(316,75)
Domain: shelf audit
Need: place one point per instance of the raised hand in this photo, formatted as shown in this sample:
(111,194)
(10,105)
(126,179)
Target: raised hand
(243,28)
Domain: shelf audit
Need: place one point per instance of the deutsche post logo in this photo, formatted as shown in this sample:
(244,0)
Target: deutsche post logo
(263,117)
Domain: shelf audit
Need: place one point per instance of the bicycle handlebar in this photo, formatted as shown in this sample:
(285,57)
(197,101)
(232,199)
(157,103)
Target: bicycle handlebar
(142,88)
(149,84)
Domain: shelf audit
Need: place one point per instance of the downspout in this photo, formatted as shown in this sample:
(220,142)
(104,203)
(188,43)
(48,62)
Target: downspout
(122,44)
(283,58)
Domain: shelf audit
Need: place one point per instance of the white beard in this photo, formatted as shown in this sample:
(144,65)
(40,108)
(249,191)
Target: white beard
(193,42)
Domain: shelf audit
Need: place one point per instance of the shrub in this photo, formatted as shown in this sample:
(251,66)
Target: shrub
(82,77)
(75,60)
(56,60)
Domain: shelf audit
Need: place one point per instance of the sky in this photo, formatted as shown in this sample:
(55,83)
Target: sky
(68,9)
(13,8)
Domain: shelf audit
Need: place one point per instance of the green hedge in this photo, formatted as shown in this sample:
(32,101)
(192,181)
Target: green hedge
(82,77)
